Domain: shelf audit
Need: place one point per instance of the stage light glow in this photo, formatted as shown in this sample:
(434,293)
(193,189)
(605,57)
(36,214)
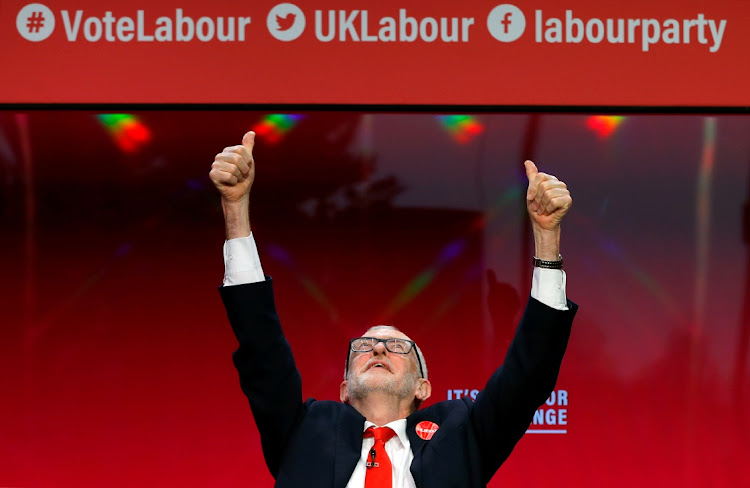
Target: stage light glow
(448,254)
(128,132)
(274,127)
(604,125)
(472,274)
(703,223)
(281,255)
(463,128)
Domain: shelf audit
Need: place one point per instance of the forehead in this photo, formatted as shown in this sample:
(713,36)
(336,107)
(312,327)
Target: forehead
(385,333)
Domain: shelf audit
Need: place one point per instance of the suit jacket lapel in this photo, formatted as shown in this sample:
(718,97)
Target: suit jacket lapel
(417,445)
(348,445)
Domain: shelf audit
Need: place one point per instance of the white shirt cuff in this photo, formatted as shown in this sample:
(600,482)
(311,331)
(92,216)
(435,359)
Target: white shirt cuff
(241,262)
(548,286)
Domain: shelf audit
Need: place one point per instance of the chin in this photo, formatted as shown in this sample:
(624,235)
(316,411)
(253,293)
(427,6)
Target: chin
(376,382)
(361,386)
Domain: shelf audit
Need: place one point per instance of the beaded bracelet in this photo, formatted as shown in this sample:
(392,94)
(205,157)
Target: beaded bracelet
(540,263)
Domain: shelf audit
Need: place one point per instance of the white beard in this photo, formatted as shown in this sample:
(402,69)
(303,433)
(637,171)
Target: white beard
(359,387)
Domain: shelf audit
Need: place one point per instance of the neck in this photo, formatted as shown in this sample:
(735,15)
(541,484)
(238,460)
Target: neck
(381,408)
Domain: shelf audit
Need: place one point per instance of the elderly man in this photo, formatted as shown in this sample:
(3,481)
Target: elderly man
(377,436)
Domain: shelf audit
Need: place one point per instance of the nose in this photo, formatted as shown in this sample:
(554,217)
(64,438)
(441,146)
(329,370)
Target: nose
(379,349)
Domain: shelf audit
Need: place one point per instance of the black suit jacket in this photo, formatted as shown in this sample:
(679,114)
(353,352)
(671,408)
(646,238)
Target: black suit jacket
(318,443)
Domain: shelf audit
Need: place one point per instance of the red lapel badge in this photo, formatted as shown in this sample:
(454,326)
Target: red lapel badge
(426,429)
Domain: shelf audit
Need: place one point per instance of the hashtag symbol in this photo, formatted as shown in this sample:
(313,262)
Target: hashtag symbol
(35,22)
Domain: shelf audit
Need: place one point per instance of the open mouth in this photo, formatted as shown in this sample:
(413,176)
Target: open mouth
(378,366)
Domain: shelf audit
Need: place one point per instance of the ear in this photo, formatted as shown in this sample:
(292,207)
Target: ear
(424,389)
(344,392)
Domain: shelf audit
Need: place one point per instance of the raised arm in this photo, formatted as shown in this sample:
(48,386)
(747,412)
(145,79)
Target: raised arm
(268,375)
(506,406)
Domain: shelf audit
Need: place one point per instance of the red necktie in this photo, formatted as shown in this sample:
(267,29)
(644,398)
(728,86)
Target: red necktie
(379,473)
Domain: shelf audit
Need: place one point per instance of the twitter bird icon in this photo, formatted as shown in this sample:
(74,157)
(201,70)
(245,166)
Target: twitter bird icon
(286,22)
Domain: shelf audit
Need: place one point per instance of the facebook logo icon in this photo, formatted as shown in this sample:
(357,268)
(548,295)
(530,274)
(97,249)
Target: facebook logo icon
(506,22)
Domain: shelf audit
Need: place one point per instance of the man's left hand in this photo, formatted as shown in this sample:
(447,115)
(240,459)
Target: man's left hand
(547,199)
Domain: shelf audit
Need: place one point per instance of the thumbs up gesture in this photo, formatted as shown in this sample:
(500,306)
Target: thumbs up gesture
(547,199)
(233,170)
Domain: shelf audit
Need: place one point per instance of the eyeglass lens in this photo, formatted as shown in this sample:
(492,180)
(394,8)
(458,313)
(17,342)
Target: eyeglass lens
(399,346)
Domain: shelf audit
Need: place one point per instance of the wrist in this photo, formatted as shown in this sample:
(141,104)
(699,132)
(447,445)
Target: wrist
(236,218)
(547,244)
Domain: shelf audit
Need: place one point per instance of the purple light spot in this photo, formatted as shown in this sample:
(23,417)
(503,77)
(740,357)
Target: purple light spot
(452,250)
(124,249)
(279,254)
(612,248)
(194,184)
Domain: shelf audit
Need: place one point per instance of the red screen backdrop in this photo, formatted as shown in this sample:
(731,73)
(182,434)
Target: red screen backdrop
(115,352)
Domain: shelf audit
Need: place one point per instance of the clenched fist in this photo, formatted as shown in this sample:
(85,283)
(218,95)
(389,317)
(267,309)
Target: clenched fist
(233,170)
(547,199)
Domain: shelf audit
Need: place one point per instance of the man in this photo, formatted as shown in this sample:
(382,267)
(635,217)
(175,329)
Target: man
(456,443)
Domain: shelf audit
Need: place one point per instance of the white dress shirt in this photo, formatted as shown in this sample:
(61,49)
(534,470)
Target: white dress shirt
(242,265)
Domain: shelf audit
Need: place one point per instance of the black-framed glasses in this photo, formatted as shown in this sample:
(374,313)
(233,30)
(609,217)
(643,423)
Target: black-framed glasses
(367,344)
(396,346)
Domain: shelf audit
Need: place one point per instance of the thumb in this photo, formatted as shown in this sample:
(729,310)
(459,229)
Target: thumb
(248,140)
(531,170)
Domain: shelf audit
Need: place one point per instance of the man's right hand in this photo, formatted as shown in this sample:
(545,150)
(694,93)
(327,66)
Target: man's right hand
(233,171)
